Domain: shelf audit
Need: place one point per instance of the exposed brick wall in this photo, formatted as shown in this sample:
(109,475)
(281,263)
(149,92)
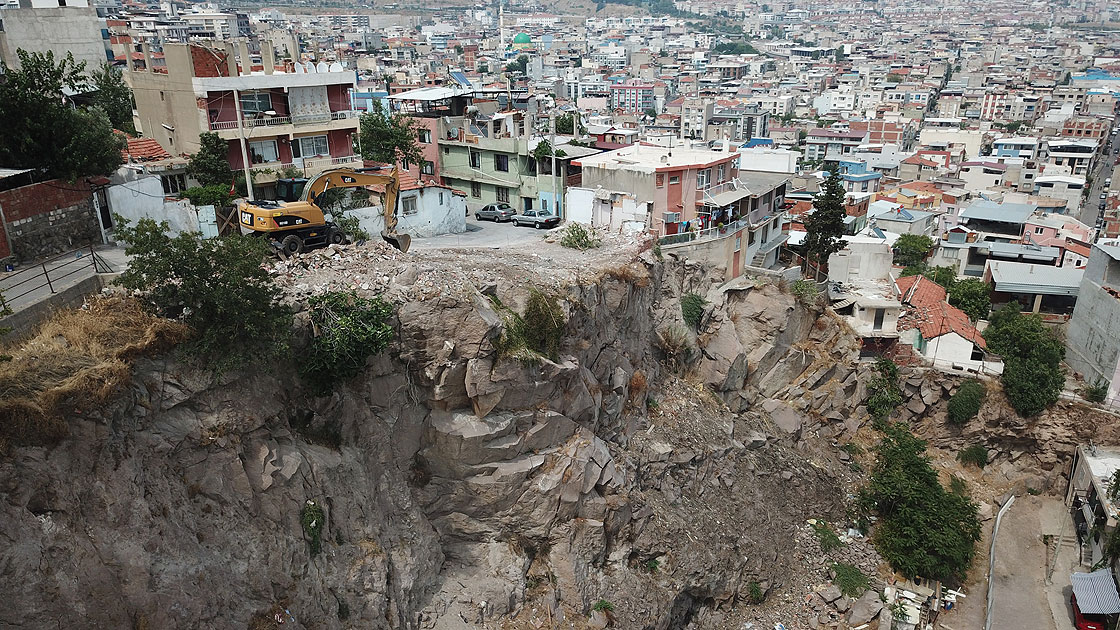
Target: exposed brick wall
(47,218)
(208,63)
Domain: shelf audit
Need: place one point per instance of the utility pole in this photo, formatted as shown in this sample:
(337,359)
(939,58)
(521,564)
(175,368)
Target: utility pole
(552,143)
(244,148)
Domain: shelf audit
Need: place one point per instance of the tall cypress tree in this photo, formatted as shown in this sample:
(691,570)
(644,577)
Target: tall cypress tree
(825,225)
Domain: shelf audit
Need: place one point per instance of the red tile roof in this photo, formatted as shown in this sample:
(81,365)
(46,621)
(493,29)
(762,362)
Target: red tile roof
(930,313)
(144,150)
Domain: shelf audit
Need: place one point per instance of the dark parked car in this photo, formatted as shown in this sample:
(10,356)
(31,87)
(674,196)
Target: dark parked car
(496,212)
(539,219)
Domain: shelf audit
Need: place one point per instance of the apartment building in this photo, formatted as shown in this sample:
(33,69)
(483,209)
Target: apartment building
(1085,127)
(287,118)
(1075,156)
(827,144)
(632,97)
(59,26)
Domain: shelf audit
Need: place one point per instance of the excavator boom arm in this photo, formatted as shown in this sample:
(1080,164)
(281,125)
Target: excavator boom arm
(349,178)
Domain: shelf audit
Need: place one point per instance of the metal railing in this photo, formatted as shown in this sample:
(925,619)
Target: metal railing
(321,162)
(51,272)
(274,121)
(705,234)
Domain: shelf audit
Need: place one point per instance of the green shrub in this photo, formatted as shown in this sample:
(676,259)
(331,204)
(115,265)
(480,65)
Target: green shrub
(922,529)
(311,518)
(216,195)
(217,286)
(974,454)
(1032,356)
(578,237)
(805,291)
(851,581)
(754,593)
(958,486)
(692,309)
(352,226)
(537,333)
(883,394)
(350,329)
(603,605)
(1097,392)
(652,565)
(966,403)
(828,539)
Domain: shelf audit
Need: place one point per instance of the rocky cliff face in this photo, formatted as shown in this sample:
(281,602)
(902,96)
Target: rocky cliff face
(458,488)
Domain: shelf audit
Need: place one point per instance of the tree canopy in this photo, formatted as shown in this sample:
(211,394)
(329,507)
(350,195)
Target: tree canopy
(911,249)
(518,65)
(43,131)
(216,286)
(734,48)
(566,124)
(210,164)
(389,138)
(825,225)
(973,296)
(1032,354)
(923,529)
(114,96)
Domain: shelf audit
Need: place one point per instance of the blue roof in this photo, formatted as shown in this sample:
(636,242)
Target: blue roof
(759,142)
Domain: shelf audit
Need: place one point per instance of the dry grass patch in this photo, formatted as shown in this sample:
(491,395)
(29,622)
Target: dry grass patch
(76,362)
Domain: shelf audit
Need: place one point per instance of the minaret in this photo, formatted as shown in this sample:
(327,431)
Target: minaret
(501,25)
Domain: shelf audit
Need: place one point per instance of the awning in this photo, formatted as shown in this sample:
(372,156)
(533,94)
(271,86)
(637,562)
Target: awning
(725,198)
(1096,592)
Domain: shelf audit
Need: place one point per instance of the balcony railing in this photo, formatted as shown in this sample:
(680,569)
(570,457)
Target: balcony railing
(704,235)
(327,162)
(273,121)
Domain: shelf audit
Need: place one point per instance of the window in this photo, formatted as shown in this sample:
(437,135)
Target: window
(476,159)
(405,165)
(738,242)
(262,151)
(674,179)
(660,180)
(531,166)
(476,190)
(502,194)
(446,151)
(863,187)
(501,162)
(255,102)
(428,167)
(720,173)
(425,136)
(441,197)
(173,184)
(409,205)
(310,146)
(1039,230)
(702,178)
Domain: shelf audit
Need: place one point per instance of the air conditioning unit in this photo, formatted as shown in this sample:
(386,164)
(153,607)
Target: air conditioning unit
(671,217)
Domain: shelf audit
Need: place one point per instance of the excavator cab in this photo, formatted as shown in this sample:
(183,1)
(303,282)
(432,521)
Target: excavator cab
(290,188)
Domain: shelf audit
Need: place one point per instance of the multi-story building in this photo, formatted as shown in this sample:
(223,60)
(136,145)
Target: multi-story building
(1085,127)
(1020,147)
(285,118)
(60,26)
(632,97)
(1074,155)
(1093,335)
(826,144)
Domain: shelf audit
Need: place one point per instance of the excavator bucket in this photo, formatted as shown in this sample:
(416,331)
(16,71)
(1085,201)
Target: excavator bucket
(400,241)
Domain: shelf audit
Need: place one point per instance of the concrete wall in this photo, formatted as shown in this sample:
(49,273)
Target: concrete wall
(25,321)
(47,218)
(59,29)
(169,98)
(615,211)
(1093,334)
(143,198)
(432,217)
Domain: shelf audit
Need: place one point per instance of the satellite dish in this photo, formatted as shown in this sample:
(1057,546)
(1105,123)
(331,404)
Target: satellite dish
(310,67)
(336,67)
(298,68)
(322,67)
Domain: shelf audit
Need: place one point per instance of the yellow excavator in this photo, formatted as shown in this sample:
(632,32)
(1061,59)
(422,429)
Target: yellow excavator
(299,224)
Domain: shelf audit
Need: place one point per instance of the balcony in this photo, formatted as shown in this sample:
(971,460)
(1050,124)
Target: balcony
(287,125)
(704,235)
(316,165)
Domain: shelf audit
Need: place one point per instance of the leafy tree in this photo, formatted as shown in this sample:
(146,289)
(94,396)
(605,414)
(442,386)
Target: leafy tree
(923,529)
(883,394)
(42,131)
(651,112)
(566,124)
(1013,126)
(113,96)
(825,225)
(1032,355)
(519,65)
(543,151)
(894,78)
(210,164)
(734,48)
(216,286)
(912,249)
(973,296)
(216,195)
(389,138)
